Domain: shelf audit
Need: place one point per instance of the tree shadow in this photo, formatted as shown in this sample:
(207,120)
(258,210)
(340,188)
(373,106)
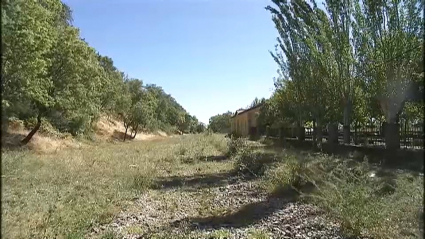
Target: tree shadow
(247,215)
(218,158)
(199,181)
(12,141)
(403,159)
(118,135)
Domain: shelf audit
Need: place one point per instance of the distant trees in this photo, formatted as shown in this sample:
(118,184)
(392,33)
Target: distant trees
(256,102)
(221,123)
(49,72)
(350,64)
(201,127)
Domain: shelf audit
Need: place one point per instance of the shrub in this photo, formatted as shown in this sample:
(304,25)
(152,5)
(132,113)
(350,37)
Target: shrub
(266,141)
(288,174)
(236,145)
(352,197)
(220,144)
(13,123)
(253,162)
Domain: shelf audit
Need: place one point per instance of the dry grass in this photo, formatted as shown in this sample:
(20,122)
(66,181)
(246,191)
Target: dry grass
(64,193)
(107,128)
(48,140)
(364,201)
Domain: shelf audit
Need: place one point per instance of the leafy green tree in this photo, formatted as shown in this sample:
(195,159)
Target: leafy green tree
(390,68)
(220,123)
(48,70)
(347,63)
(28,35)
(201,127)
(256,102)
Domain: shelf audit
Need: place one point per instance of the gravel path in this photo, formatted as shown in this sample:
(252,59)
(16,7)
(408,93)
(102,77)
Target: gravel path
(238,210)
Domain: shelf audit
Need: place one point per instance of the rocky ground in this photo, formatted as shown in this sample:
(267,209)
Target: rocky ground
(236,210)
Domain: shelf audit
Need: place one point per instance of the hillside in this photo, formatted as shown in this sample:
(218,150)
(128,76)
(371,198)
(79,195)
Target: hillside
(106,129)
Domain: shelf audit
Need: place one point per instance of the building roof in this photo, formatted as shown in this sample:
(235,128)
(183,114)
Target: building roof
(238,112)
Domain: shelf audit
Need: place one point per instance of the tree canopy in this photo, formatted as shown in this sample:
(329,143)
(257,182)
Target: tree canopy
(50,73)
(221,123)
(351,63)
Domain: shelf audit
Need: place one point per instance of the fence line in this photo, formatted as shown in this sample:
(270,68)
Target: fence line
(411,136)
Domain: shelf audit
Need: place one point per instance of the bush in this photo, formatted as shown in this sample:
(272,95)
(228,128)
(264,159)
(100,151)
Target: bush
(288,174)
(356,200)
(253,162)
(13,123)
(237,145)
(220,144)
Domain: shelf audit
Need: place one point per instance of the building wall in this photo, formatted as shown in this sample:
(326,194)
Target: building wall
(241,123)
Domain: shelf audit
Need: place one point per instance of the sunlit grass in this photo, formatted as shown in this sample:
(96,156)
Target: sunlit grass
(64,194)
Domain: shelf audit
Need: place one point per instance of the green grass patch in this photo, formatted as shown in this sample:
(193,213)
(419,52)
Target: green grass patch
(363,202)
(64,194)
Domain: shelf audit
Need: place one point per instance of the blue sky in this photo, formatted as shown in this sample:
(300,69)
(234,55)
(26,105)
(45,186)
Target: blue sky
(210,55)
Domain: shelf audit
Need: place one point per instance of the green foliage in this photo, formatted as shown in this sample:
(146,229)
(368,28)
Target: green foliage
(200,128)
(220,123)
(364,205)
(49,71)
(253,162)
(237,145)
(346,63)
(289,174)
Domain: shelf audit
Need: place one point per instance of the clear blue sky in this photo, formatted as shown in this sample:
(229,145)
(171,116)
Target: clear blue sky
(210,55)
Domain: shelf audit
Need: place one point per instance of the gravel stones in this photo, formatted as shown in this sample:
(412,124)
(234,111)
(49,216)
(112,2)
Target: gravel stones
(235,210)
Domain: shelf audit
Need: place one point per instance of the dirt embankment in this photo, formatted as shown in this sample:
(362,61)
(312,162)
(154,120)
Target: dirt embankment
(107,129)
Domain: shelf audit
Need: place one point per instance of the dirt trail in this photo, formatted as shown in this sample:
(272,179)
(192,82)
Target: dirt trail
(214,206)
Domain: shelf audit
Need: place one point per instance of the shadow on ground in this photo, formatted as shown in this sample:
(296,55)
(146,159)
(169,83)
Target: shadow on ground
(12,141)
(246,215)
(118,135)
(403,159)
(199,181)
(218,158)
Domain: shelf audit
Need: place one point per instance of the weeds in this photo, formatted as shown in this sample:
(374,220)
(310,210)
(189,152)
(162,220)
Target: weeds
(361,203)
(237,145)
(253,162)
(286,175)
(63,194)
(110,235)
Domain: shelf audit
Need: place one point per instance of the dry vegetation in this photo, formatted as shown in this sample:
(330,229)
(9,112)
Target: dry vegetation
(170,184)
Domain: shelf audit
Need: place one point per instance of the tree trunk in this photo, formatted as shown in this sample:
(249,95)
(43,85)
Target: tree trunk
(319,134)
(125,134)
(33,131)
(346,126)
(135,132)
(392,136)
(356,139)
(333,133)
(301,133)
(314,133)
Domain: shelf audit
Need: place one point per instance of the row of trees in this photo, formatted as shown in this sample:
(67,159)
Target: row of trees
(351,63)
(50,73)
